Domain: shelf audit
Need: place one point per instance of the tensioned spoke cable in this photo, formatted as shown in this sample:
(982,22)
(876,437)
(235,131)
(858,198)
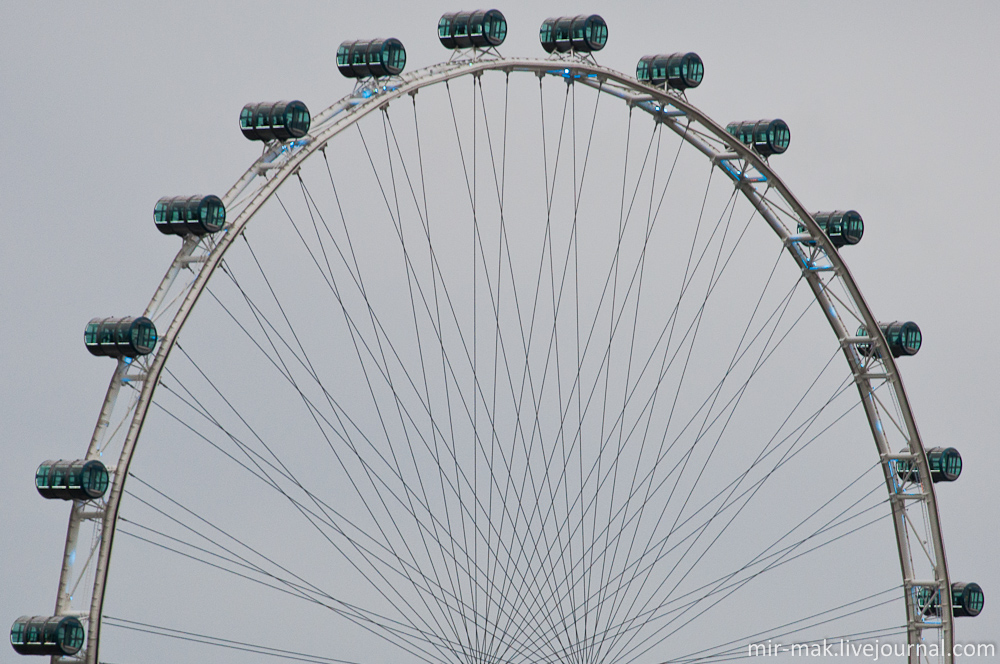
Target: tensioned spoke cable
(471,563)
(490,636)
(470,189)
(750,490)
(786,556)
(434,431)
(613,324)
(137,626)
(464,509)
(690,603)
(410,275)
(842,617)
(450,370)
(509,595)
(701,525)
(774,560)
(328,512)
(368,473)
(736,356)
(532,592)
(356,330)
(701,656)
(688,455)
(376,615)
(363,618)
(433,435)
(632,489)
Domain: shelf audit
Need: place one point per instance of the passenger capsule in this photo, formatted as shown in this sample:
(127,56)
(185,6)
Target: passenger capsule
(843,227)
(582,34)
(197,215)
(767,137)
(281,120)
(679,71)
(945,464)
(72,480)
(903,338)
(371,57)
(967,599)
(58,636)
(479,29)
(120,337)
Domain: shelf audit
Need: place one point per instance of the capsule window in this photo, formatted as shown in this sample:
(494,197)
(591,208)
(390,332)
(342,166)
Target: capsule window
(564,34)
(461,29)
(444,30)
(396,57)
(596,33)
(779,137)
(57,476)
(546,35)
(951,463)
(854,227)
(642,70)
(17,631)
(494,27)
(903,338)
(262,118)
(928,600)
(967,599)
(359,59)
(686,71)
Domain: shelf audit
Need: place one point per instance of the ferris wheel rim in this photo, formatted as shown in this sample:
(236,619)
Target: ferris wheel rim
(347,112)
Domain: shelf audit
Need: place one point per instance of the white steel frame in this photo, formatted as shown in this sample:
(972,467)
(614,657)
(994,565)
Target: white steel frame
(914,507)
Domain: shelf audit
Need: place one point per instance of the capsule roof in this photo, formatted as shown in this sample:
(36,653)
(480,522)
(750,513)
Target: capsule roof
(582,34)
(362,58)
(484,28)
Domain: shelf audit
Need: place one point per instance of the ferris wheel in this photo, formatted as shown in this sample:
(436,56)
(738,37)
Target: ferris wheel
(504,360)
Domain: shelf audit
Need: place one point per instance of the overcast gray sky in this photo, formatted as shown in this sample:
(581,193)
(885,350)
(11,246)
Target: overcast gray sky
(108,106)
